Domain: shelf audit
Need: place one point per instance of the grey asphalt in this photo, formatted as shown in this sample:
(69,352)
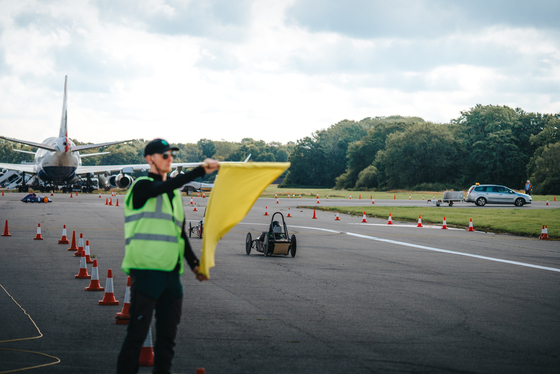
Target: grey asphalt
(357,298)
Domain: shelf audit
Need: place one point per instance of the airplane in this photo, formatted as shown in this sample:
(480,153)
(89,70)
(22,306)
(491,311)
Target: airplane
(58,161)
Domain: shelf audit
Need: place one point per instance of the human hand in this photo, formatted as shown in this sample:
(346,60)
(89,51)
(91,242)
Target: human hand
(199,276)
(210,165)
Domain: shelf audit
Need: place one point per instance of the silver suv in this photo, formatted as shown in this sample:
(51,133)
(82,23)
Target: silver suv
(495,194)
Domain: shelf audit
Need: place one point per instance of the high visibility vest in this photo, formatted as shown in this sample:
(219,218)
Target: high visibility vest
(153,233)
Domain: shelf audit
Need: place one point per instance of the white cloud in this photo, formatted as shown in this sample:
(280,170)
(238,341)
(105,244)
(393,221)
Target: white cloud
(250,70)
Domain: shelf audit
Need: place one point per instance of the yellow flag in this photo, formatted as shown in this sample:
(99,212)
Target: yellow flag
(235,191)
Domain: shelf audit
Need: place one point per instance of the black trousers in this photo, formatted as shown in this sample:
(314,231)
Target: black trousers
(152,290)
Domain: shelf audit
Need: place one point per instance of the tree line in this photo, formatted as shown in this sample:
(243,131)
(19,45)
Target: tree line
(486,144)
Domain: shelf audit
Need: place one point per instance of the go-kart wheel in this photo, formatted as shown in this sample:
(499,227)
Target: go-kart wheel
(265,245)
(190,229)
(293,246)
(248,243)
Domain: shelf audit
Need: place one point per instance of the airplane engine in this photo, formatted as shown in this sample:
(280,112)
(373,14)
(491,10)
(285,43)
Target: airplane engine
(102,180)
(120,180)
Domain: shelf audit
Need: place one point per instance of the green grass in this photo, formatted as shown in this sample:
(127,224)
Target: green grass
(273,189)
(518,221)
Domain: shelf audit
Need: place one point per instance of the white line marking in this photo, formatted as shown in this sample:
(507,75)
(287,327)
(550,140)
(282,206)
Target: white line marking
(423,247)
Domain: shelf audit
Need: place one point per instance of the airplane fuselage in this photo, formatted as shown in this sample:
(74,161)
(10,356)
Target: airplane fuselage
(60,165)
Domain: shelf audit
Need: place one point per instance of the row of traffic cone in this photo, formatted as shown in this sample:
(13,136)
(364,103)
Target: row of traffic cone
(543,236)
(122,317)
(109,201)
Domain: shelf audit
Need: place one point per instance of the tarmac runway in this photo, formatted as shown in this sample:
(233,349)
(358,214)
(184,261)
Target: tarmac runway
(356,298)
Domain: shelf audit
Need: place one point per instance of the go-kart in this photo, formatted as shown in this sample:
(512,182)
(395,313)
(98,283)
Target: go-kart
(275,241)
(32,198)
(197,230)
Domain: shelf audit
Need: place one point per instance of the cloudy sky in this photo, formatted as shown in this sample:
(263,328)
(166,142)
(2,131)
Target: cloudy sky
(275,70)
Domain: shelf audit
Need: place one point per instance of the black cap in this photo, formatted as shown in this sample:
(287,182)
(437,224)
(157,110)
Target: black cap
(158,146)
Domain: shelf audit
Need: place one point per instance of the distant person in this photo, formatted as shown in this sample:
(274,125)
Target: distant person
(156,243)
(528,187)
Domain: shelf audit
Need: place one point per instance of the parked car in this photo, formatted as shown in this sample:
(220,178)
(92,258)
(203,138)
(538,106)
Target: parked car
(482,194)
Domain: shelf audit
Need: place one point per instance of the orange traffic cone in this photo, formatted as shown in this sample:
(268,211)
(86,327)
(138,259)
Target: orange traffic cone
(364,218)
(52,193)
(289,215)
(94,283)
(64,239)
(76,193)
(372,200)
(390,221)
(203,195)
(109,297)
(546,202)
(544,233)
(100,195)
(192,202)
(314,215)
(419,221)
(444,224)
(360,197)
(409,197)
(350,197)
(471,228)
(38,236)
(327,197)
(86,250)
(422,197)
(395,197)
(195,210)
(6,231)
(106,201)
(117,204)
(83,274)
(73,246)
(2,192)
(147,351)
(266,211)
(123,317)
(318,202)
(71,194)
(277,202)
(111,201)
(337,218)
(554,197)
(80,246)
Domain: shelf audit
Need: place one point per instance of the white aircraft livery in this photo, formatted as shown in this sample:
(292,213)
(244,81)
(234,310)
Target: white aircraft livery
(58,161)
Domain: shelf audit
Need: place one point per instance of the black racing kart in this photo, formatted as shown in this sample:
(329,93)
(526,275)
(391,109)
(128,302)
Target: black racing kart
(197,229)
(275,241)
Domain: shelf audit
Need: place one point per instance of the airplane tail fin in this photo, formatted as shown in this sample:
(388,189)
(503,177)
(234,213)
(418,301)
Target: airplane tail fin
(64,120)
